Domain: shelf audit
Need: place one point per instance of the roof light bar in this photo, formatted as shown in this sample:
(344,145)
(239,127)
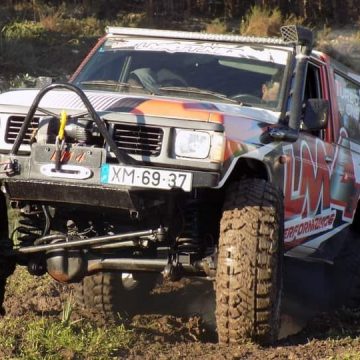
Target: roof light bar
(193,36)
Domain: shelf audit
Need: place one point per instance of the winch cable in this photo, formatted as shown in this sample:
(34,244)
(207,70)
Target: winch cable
(120,155)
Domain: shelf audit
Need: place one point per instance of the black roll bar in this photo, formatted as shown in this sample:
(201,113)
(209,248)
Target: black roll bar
(120,155)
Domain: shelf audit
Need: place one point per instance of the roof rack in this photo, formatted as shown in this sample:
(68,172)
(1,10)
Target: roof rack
(186,35)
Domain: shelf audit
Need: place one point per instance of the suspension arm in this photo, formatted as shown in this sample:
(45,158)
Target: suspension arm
(60,242)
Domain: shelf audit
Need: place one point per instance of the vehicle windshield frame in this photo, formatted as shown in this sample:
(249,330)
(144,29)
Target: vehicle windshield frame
(120,43)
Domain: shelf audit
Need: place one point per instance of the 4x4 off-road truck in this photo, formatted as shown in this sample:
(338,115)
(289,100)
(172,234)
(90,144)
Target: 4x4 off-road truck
(183,154)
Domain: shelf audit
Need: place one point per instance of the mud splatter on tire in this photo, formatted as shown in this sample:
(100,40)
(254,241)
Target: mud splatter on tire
(248,280)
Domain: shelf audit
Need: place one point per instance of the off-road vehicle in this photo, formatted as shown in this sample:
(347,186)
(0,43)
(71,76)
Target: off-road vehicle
(182,154)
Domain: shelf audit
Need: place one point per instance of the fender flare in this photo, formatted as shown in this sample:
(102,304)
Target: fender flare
(254,161)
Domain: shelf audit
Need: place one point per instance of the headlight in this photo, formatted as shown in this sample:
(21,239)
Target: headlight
(192,144)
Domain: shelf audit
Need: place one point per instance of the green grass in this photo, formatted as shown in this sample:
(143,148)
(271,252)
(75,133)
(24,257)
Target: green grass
(348,354)
(46,338)
(28,335)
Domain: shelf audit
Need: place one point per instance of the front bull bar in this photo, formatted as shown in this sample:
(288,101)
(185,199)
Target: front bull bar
(121,156)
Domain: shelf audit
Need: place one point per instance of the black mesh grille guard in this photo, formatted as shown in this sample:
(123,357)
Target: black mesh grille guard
(297,35)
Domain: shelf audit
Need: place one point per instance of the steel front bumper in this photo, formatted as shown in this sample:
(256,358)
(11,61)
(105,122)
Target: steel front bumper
(80,180)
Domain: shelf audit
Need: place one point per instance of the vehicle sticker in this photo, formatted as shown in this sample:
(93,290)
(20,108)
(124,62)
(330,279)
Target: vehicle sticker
(321,187)
(312,245)
(307,180)
(268,54)
(300,228)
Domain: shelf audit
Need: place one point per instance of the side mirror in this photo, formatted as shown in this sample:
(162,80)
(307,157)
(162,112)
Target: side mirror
(316,114)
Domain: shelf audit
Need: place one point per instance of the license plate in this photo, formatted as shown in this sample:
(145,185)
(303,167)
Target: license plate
(145,177)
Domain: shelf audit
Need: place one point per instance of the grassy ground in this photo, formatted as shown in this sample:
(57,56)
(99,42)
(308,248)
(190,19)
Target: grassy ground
(40,324)
(43,322)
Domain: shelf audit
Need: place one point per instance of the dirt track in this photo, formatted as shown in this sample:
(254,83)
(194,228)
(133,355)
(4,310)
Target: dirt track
(178,323)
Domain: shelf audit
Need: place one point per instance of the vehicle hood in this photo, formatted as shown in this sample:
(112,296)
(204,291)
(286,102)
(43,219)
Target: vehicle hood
(19,101)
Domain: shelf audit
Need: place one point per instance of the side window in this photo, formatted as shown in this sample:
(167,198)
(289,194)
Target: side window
(348,99)
(312,85)
(104,65)
(312,90)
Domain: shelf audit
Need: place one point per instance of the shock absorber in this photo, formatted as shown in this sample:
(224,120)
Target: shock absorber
(34,222)
(189,240)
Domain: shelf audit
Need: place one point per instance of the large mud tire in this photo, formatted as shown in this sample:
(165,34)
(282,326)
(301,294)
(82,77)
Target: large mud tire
(249,271)
(113,295)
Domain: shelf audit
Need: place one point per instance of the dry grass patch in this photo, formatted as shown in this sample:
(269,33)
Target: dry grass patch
(263,21)
(216,26)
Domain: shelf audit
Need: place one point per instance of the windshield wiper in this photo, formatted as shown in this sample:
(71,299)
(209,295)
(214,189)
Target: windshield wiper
(195,90)
(118,86)
(112,84)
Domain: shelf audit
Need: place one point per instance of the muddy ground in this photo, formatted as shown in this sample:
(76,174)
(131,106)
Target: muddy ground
(178,322)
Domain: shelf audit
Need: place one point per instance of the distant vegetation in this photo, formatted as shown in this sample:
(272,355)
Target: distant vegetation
(325,11)
(50,37)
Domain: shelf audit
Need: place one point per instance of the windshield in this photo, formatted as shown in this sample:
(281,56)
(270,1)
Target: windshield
(235,73)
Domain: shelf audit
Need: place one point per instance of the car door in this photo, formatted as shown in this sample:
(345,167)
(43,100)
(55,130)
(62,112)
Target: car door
(310,217)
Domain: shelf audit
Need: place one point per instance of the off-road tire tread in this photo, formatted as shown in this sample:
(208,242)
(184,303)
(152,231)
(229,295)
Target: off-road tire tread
(104,293)
(248,279)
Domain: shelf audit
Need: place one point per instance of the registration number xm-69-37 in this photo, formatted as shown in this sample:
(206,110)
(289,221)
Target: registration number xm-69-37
(145,177)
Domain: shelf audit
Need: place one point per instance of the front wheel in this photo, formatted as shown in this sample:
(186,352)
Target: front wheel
(249,271)
(113,294)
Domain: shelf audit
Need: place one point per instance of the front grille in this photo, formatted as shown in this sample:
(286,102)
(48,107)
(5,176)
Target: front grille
(13,127)
(138,139)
